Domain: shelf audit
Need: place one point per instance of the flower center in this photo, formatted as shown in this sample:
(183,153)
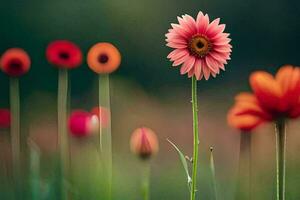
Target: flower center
(15,65)
(199,46)
(103,58)
(64,55)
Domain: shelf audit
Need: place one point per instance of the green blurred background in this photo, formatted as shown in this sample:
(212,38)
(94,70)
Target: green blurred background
(146,90)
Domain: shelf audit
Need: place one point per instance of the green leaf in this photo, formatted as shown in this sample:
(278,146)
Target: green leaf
(184,163)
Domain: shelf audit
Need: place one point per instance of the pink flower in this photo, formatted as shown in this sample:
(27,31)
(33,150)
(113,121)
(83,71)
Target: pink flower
(82,123)
(201,46)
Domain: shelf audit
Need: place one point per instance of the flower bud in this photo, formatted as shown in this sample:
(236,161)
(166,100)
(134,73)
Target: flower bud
(82,123)
(144,143)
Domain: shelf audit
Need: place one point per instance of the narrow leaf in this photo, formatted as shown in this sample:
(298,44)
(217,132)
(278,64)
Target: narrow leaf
(183,161)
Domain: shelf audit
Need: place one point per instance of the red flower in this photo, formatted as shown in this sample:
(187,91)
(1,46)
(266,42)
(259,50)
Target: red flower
(5,118)
(103,114)
(15,62)
(64,54)
(273,98)
(144,142)
(82,123)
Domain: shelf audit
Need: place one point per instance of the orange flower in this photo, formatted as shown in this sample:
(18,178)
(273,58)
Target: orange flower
(273,98)
(144,142)
(103,58)
(247,114)
(15,62)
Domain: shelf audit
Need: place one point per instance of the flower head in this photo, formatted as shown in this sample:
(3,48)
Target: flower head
(144,142)
(274,98)
(5,118)
(103,115)
(82,123)
(104,58)
(201,46)
(15,62)
(64,54)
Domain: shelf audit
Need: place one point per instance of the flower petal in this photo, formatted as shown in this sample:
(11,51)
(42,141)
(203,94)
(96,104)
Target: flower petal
(266,89)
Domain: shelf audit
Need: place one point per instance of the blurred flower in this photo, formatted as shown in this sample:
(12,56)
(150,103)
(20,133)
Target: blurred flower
(104,58)
(82,123)
(5,118)
(15,62)
(200,46)
(144,142)
(103,115)
(64,54)
(279,95)
(274,98)
(246,114)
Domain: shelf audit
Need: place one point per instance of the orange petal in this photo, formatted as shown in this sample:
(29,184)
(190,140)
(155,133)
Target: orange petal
(289,80)
(245,96)
(245,122)
(266,89)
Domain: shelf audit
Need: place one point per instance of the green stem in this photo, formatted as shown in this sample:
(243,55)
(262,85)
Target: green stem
(62,127)
(280,127)
(244,176)
(34,170)
(15,131)
(105,137)
(196,138)
(146,182)
(213,173)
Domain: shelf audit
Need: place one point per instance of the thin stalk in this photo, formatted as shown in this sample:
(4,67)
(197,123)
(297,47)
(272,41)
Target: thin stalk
(213,172)
(105,138)
(34,170)
(62,100)
(15,131)
(280,127)
(196,138)
(146,182)
(244,175)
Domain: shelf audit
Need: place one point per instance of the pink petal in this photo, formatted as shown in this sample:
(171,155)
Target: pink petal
(213,28)
(212,64)
(180,60)
(222,41)
(177,54)
(188,65)
(206,71)
(197,69)
(190,21)
(180,30)
(202,24)
(176,45)
(191,73)
(223,49)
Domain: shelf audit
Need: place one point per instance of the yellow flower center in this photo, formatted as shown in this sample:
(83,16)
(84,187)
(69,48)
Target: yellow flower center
(199,46)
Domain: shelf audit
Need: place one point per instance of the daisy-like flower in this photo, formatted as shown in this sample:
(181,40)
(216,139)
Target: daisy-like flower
(15,62)
(104,58)
(273,98)
(144,142)
(5,118)
(64,54)
(201,46)
(82,123)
